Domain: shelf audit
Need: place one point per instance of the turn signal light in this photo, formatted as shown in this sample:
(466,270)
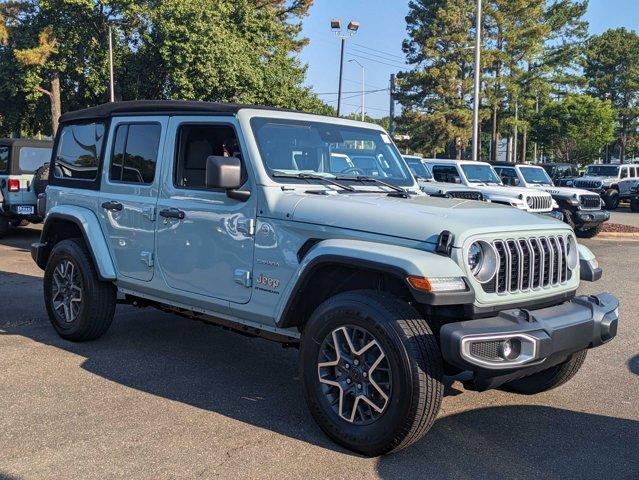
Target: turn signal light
(437,284)
(14,185)
(420,283)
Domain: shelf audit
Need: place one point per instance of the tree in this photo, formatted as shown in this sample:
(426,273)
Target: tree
(611,65)
(576,128)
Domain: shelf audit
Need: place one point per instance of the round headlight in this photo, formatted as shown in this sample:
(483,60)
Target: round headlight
(572,253)
(482,261)
(530,201)
(475,258)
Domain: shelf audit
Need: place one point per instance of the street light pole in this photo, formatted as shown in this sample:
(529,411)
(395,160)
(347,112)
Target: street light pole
(476,145)
(336,26)
(363,116)
(111,86)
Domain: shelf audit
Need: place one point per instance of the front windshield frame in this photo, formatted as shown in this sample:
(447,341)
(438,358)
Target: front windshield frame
(404,177)
(494,178)
(545,178)
(602,170)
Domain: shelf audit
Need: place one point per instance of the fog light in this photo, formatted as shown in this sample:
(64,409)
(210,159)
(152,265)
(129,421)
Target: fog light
(510,349)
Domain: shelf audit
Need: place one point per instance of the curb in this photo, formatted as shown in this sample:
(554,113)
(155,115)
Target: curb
(619,235)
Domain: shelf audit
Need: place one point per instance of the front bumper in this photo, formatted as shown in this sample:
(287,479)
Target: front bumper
(590,217)
(545,336)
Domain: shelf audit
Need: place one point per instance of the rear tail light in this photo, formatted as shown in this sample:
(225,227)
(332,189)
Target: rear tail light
(14,185)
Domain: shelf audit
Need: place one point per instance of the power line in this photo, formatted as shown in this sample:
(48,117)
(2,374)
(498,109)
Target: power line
(367,107)
(366,47)
(372,54)
(358,92)
(377,61)
(359,82)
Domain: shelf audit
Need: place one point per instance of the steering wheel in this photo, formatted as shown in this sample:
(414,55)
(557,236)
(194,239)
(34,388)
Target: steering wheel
(355,170)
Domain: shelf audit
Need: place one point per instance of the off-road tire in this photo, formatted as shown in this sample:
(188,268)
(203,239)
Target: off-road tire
(611,199)
(568,218)
(41,179)
(548,379)
(98,297)
(634,204)
(5,225)
(589,232)
(414,359)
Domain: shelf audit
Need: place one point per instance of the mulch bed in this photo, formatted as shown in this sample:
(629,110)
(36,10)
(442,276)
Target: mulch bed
(618,228)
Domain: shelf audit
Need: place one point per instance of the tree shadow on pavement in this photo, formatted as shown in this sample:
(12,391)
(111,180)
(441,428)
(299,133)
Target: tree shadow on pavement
(633,366)
(21,238)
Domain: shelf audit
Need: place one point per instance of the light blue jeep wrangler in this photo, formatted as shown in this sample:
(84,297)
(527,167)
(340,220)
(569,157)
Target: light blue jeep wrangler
(228,214)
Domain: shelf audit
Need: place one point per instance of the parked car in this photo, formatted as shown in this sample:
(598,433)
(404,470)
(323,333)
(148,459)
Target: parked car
(612,182)
(382,288)
(428,185)
(19,159)
(482,175)
(561,173)
(581,209)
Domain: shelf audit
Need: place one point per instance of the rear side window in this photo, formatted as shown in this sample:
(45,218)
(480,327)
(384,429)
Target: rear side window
(447,174)
(135,153)
(32,158)
(4,158)
(79,148)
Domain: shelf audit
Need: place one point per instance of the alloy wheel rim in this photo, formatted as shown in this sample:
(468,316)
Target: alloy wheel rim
(66,295)
(354,374)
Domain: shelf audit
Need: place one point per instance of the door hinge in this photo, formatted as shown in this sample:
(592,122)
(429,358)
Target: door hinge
(243,277)
(149,212)
(246,226)
(147,258)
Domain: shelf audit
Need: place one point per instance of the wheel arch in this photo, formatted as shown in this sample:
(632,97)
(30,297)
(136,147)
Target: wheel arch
(75,222)
(334,266)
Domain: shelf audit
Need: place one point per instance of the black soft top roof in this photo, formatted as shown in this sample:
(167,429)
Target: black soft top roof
(26,142)
(157,107)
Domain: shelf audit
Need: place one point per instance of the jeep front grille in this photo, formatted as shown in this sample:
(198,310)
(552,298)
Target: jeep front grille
(590,202)
(541,202)
(468,195)
(529,264)
(588,184)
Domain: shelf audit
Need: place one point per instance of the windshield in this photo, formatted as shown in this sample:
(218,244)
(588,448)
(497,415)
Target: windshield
(602,170)
(536,175)
(418,168)
(328,149)
(480,174)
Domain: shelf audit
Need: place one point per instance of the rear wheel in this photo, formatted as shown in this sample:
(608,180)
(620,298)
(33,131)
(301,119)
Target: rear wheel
(611,199)
(41,179)
(5,225)
(372,372)
(634,204)
(548,379)
(80,306)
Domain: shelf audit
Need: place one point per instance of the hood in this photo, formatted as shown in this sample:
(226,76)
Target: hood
(562,192)
(419,218)
(594,179)
(432,186)
(506,191)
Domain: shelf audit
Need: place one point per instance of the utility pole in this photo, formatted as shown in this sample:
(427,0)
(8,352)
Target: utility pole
(516,133)
(476,144)
(391,111)
(111,86)
(535,144)
(336,26)
(363,104)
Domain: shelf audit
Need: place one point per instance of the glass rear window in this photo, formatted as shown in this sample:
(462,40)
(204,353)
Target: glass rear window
(4,158)
(297,146)
(79,148)
(32,158)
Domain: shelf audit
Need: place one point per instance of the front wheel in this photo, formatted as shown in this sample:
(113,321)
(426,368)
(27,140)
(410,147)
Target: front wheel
(548,379)
(372,372)
(79,304)
(611,199)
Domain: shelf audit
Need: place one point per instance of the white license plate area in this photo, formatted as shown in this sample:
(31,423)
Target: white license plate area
(26,209)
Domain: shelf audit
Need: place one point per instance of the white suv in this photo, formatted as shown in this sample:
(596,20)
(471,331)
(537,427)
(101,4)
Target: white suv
(482,176)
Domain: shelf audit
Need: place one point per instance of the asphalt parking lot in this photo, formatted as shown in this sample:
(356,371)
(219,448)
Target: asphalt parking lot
(163,397)
(624,216)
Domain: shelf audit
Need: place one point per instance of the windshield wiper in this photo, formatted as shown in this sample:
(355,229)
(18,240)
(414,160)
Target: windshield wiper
(310,176)
(364,178)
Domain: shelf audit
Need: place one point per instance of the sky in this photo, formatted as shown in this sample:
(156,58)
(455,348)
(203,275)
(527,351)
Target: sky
(378,46)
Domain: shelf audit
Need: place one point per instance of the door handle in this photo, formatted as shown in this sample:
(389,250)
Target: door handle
(113,206)
(172,213)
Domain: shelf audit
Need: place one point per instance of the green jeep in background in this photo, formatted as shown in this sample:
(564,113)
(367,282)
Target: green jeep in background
(231,215)
(20,158)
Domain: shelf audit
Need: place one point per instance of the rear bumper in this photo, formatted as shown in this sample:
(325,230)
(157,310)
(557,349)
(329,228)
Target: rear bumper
(17,212)
(545,336)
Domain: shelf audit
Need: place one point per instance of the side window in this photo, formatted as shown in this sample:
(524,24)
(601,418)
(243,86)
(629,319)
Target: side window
(4,158)
(624,172)
(195,144)
(633,172)
(135,153)
(79,149)
(447,174)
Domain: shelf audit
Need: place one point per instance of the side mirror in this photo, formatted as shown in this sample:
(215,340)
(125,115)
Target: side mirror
(226,173)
